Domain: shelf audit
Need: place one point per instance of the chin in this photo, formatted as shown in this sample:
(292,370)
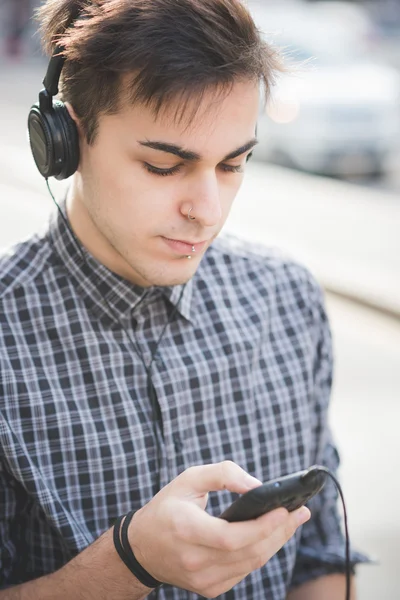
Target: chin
(177,276)
(173,281)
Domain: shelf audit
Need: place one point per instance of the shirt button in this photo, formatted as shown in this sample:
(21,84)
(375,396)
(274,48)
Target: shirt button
(178,444)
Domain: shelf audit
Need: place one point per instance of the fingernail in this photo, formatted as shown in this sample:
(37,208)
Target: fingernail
(252,481)
(303,515)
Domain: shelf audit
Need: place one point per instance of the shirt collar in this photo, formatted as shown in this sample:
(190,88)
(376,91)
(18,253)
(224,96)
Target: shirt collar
(103,289)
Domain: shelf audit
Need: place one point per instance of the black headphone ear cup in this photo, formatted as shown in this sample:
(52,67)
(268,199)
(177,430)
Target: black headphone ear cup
(70,140)
(54,141)
(41,141)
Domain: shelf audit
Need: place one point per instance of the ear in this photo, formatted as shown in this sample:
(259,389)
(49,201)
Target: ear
(81,134)
(75,118)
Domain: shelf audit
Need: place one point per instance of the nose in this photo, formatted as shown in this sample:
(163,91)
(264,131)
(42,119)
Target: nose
(204,197)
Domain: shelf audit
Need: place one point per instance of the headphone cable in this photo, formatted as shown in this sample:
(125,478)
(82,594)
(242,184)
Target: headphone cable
(156,409)
(346,529)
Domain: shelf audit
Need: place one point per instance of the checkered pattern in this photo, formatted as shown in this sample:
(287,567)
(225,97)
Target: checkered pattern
(243,372)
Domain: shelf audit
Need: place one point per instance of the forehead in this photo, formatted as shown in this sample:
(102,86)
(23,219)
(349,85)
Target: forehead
(213,124)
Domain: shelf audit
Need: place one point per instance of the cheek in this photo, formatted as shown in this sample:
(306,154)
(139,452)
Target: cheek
(128,200)
(115,180)
(229,192)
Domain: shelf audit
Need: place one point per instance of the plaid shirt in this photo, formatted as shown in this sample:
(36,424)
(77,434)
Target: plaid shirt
(243,372)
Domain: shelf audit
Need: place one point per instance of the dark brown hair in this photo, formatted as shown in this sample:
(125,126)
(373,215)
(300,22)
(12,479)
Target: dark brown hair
(174,50)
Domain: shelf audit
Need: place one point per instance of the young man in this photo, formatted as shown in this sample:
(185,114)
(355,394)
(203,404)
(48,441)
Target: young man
(138,353)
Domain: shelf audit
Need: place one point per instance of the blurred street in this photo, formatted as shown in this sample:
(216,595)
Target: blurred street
(365,415)
(349,237)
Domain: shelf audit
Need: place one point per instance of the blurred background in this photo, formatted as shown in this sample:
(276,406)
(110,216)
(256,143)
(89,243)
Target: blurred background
(324,187)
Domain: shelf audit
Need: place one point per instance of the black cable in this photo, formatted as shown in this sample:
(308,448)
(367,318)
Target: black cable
(122,546)
(346,529)
(155,407)
(79,247)
(156,412)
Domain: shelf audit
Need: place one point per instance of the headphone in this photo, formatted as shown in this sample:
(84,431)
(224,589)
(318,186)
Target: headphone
(54,141)
(53,134)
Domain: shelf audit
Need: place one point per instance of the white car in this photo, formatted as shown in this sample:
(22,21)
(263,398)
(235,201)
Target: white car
(338,112)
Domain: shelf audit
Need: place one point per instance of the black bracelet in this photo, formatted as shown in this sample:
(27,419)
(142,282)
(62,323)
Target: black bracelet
(125,552)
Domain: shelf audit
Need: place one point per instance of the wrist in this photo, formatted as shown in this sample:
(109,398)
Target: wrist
(100,574)
(126,554)
(97,573)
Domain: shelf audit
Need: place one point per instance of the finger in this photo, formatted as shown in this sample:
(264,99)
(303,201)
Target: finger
(199,528)
(246,560)
(242,535)
(225,475)
(259,554)
(276,525)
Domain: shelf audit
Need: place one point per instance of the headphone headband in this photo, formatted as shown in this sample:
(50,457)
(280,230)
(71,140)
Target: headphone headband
(52,77)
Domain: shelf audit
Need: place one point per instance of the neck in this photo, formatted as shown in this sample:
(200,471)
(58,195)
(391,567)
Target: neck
(94,241)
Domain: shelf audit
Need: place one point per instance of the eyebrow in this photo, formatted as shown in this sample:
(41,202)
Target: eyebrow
(194,156)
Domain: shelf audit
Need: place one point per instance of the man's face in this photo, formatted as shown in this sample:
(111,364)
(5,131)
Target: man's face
(136,185)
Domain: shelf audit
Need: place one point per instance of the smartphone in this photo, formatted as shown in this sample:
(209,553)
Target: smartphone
(291,492)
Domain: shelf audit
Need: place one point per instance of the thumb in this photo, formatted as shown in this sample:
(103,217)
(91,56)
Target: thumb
(225,475)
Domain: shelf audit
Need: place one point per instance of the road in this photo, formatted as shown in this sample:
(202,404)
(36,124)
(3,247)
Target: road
(365,407)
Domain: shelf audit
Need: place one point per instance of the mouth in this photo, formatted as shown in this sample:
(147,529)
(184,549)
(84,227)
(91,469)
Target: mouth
(185,248)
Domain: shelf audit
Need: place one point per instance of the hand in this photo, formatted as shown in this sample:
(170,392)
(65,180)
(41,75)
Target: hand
(178,543)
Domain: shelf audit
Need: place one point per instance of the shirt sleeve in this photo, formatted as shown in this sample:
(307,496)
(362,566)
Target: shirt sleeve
(8,511)
(321,549)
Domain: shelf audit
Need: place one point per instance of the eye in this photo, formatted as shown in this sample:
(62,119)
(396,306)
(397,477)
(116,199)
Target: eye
(235,168)
(162,172)
(231,168)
